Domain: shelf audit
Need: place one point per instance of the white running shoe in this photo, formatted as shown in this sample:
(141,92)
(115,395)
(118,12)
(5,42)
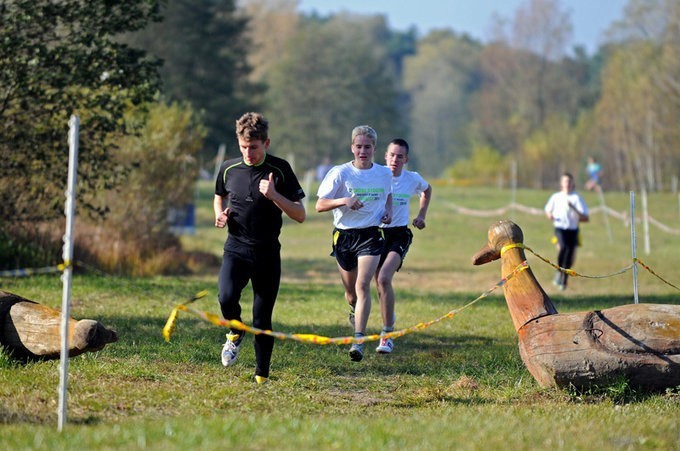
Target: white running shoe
(385,347)
(230,349)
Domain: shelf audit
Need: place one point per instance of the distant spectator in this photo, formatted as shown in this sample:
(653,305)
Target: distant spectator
(566,209)
(594,170)
(322,169)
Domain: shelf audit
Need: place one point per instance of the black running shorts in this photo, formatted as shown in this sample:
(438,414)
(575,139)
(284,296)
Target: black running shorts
(397,239)
(350,244)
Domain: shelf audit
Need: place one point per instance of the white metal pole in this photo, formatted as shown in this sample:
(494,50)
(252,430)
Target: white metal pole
(645,221)
(219,159)
(69,211)
(307,181)
(291,161)
(633,245)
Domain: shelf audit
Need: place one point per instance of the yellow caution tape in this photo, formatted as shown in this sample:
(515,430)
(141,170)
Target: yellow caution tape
(170,324)
(172,319)
(568,271)
(655,274)
(319,339)
(24,272)
(507,247)
(33,271)
(571,272)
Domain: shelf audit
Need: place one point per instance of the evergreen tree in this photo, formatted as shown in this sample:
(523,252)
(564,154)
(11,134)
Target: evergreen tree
(204,48)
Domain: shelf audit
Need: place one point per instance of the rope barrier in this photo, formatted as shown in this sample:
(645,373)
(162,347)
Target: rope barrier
(30,271)
(170,323)
(323,340)
(655,274)
(571,272)
(501,211)
(319,339)
(26,272)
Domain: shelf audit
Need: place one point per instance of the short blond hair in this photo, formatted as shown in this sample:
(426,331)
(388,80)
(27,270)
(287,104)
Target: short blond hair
(365,130)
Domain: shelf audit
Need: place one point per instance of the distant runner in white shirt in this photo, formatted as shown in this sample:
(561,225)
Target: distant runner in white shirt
(397,234)
(359,194)
(566,209)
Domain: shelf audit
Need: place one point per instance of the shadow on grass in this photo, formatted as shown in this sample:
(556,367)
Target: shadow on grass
(195,341)
(8,416)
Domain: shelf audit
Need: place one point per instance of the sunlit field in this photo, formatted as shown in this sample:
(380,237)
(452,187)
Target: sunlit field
(459,384)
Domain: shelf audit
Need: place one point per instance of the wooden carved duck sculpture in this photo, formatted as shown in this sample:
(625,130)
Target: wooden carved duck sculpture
(640,342)
(31,331)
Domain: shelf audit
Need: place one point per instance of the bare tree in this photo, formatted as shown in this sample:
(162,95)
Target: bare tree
(526,88)
(640,105)
(272,23)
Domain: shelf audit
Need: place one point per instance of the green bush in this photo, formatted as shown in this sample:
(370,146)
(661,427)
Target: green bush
(484,167)
(134,237)
(162,171)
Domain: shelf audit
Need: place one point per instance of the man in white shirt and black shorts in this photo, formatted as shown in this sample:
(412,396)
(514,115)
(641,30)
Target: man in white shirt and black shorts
(397,234)
(359,194)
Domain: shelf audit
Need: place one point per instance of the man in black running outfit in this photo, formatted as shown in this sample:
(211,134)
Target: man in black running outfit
(251,192)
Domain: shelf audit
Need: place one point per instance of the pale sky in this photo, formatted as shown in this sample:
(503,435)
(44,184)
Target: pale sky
(590,18)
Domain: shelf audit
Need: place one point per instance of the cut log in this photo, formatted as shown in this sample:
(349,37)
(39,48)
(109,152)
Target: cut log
(29,330)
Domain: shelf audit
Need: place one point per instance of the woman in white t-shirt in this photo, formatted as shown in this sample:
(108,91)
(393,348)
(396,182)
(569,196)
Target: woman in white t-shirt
(360,197)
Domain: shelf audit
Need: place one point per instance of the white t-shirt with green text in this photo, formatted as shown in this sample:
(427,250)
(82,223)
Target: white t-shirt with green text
(371,186)
(409,183)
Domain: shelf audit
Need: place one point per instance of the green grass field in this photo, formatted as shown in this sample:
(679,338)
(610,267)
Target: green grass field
(459,384)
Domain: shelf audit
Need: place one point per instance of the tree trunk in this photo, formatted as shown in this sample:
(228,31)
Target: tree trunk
(29,330)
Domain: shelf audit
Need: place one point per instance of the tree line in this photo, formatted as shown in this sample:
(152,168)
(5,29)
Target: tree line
(158,85)
(525,97)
